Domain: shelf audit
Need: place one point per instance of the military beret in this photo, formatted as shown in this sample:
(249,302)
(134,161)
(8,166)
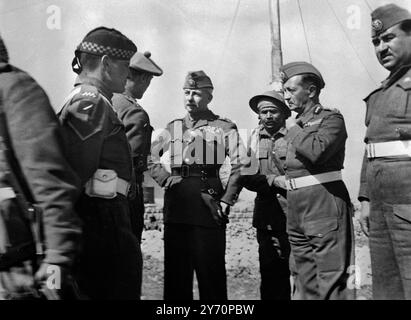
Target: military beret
(385,17)
(142,62)
(274,96)
(197,80)
(104,41)
(4,56)
(300,67)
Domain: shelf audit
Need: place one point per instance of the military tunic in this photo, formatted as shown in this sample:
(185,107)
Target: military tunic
(269,217)
(96,139)
(385,183)
(319,216)
(35,140)
(192,239)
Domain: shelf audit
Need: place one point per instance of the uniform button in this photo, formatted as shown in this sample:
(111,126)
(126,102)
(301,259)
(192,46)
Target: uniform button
(187,160)
(320,234)
(278,195)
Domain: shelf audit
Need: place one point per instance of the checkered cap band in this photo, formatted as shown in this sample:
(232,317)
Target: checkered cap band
(98,49)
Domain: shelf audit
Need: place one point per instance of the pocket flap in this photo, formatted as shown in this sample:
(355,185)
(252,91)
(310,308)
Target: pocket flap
(262,154)
(105,175)
(403,211)
(320,227)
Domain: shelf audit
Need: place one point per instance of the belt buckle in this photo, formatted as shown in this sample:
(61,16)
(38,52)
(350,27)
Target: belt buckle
(185,171)
(291,184)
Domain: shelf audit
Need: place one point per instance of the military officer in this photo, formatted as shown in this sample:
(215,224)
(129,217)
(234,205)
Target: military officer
(99,152)
(137,124)
(268,146)
(195,203)
(385,189)
(319,208)
(33,169)
(138,129)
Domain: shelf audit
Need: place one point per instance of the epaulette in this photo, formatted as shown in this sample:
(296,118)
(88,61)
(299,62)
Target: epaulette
(405,83)
(372,92)
(225,119)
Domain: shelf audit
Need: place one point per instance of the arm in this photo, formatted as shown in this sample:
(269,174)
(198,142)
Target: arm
(159,146)
(320,145)
(35,138)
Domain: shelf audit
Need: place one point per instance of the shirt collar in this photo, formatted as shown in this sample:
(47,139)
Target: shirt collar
(395,76)
(280,133)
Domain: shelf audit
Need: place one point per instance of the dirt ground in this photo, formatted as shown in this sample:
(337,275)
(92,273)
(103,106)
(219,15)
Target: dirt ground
(243,277)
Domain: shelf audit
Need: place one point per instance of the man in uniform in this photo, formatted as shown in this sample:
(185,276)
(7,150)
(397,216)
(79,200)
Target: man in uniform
(319,209)
(138,128)
(268,148)
(99,152)
(33,169)
(195,203)
(385,189)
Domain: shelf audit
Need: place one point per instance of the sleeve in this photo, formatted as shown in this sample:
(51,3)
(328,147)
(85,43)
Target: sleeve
(320,144)
(236,151)
(363,193)
(36,141)
(159,146)
(84,122)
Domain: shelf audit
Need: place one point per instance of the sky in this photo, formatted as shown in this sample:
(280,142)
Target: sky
(233,49)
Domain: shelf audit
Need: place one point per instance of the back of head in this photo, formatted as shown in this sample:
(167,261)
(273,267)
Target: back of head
(99,42)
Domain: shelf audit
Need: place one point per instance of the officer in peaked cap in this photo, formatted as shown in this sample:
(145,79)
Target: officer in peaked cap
(267,149)
(195,202)
(33,168)
(319,208)
(138,129)
(99,152)
(385,187)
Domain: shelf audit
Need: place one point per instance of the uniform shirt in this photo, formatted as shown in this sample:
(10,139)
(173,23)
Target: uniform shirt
(95,137)
(138,128)
(203,143)
(317,145)
(36,142)
(268,154)
(388,115)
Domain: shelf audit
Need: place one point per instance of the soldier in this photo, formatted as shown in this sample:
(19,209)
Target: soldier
(268,146)
(138,129)
(385,189)
(319,209)
(195,203)
(33,169)
(100,154)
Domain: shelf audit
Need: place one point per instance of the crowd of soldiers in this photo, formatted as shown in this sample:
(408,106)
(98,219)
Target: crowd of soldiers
(71,195)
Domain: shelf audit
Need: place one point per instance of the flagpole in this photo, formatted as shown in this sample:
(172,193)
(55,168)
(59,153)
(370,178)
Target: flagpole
(276,50)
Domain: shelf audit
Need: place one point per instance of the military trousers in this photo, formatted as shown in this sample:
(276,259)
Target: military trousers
(274,252)
(189,248)
(110,259)
(319,225)
(390,228)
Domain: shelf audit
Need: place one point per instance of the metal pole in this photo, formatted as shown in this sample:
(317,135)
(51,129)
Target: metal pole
(276,51)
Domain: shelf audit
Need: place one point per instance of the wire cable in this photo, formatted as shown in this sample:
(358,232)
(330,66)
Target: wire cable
(368,5)
(305,31)
(352,45)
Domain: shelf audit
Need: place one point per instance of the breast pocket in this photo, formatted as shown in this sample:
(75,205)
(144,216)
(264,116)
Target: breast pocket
(398,100)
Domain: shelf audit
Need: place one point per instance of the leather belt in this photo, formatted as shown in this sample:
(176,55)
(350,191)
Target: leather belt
(187,171)
(389,149)
(7,193)
(297,183)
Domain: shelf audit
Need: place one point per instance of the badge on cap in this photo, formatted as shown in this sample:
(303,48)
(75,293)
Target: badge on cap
(282,76)
(191,82)
(377,25)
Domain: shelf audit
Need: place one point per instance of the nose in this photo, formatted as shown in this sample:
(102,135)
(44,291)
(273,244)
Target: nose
(269,114)
(287,95)
(382,46)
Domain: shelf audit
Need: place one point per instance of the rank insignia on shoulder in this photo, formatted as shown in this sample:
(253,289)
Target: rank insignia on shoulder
(89,94)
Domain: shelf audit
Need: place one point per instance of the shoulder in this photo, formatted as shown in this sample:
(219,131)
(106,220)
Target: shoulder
(121,102)
(225,123)
(87,100)
(372,93)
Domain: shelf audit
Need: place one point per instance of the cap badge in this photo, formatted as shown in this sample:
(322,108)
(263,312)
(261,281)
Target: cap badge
(282,76)
(191,82)
(377,25)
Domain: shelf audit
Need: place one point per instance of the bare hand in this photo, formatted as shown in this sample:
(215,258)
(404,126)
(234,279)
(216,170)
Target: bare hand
(279,182)
(365,217)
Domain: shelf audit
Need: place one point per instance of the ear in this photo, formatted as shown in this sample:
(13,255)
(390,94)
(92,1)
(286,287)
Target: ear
(105,62)
(312,91)
(210,97)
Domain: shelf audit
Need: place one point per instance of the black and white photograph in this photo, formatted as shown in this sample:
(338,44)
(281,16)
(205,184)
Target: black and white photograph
(229,152)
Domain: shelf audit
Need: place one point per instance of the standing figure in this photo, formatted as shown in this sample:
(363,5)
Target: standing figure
(385,189)
(99,152)
(195,202)
(138,130)
(33,173)
(268,148)
(319,221)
